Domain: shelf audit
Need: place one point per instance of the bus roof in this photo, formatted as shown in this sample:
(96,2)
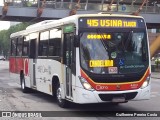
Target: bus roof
(47,24)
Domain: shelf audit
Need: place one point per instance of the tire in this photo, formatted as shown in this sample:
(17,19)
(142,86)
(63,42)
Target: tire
(23,86)
(61,102)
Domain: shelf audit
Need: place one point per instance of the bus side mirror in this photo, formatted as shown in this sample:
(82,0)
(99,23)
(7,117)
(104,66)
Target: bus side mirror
(76,40)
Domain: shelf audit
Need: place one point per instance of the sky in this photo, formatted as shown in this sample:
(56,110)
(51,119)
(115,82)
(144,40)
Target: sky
(4,24)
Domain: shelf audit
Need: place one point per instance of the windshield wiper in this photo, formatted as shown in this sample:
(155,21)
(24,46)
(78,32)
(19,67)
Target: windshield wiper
(128,39)
(102,37)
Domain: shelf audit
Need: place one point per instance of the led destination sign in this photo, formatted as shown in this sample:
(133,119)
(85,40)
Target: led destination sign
(100,63)
(111,23)
(99,36)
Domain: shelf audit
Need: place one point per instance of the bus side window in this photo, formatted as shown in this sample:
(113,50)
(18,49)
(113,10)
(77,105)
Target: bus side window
(19,46)
(55,42)
(25,47)
(13,47)
(32,49)
(51,49)
(43,44)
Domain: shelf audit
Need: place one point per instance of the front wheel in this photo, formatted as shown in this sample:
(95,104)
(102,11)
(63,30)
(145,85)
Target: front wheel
(61,102)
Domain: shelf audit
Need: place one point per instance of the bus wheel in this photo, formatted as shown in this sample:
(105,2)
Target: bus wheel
(23,86)
(61,102)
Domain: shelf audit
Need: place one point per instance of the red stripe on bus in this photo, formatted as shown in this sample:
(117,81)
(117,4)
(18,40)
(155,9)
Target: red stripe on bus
(116,86)
(18,64)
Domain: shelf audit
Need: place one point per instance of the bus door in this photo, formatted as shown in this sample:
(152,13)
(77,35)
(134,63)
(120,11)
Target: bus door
(69,62)
(32,61)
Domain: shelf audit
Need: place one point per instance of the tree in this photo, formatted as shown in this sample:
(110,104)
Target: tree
(5,37)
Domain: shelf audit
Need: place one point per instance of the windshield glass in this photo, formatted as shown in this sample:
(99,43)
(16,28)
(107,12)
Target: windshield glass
(114,52)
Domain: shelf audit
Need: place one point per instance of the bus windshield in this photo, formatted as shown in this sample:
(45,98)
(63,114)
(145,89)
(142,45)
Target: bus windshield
(113,52)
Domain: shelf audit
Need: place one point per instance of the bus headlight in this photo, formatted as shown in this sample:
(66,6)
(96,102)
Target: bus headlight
(85,84)
(145,84)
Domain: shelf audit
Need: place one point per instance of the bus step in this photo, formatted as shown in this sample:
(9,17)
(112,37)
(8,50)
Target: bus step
(69,98)
(34,87)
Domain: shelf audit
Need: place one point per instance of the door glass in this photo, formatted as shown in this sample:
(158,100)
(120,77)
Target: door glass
(68,61)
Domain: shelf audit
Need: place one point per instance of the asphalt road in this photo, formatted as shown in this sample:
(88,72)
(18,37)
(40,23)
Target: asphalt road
(12,99)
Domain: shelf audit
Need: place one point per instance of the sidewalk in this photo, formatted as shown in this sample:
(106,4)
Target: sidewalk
(155,75)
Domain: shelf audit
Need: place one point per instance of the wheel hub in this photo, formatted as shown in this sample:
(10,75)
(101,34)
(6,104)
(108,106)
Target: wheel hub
(59,96)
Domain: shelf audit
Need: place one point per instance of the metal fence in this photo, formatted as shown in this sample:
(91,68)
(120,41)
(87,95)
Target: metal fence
(53,4)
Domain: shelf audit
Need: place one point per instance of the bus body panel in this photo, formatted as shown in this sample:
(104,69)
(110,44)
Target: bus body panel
(84,96)
(47,68)
(27,81)
(16,65)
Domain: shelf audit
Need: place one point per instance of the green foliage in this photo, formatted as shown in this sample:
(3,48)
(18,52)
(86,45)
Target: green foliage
(5,37)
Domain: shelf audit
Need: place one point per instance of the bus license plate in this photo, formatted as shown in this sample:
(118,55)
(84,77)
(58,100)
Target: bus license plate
(118,99)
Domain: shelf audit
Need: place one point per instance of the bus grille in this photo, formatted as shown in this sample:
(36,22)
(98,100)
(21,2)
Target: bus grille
(117,80)
(109,97)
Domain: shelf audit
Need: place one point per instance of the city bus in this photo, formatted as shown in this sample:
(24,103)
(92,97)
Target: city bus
(87,58)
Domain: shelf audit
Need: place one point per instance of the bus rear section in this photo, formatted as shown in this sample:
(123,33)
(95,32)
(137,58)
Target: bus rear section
(113,60)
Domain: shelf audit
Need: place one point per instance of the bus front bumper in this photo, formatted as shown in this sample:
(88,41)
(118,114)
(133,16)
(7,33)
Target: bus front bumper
(83,96)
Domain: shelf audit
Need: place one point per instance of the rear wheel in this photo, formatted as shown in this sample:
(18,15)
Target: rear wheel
(61,102)
(23,85)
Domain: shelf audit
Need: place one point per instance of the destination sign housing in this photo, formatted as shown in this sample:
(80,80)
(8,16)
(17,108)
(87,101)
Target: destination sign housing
(101,22)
